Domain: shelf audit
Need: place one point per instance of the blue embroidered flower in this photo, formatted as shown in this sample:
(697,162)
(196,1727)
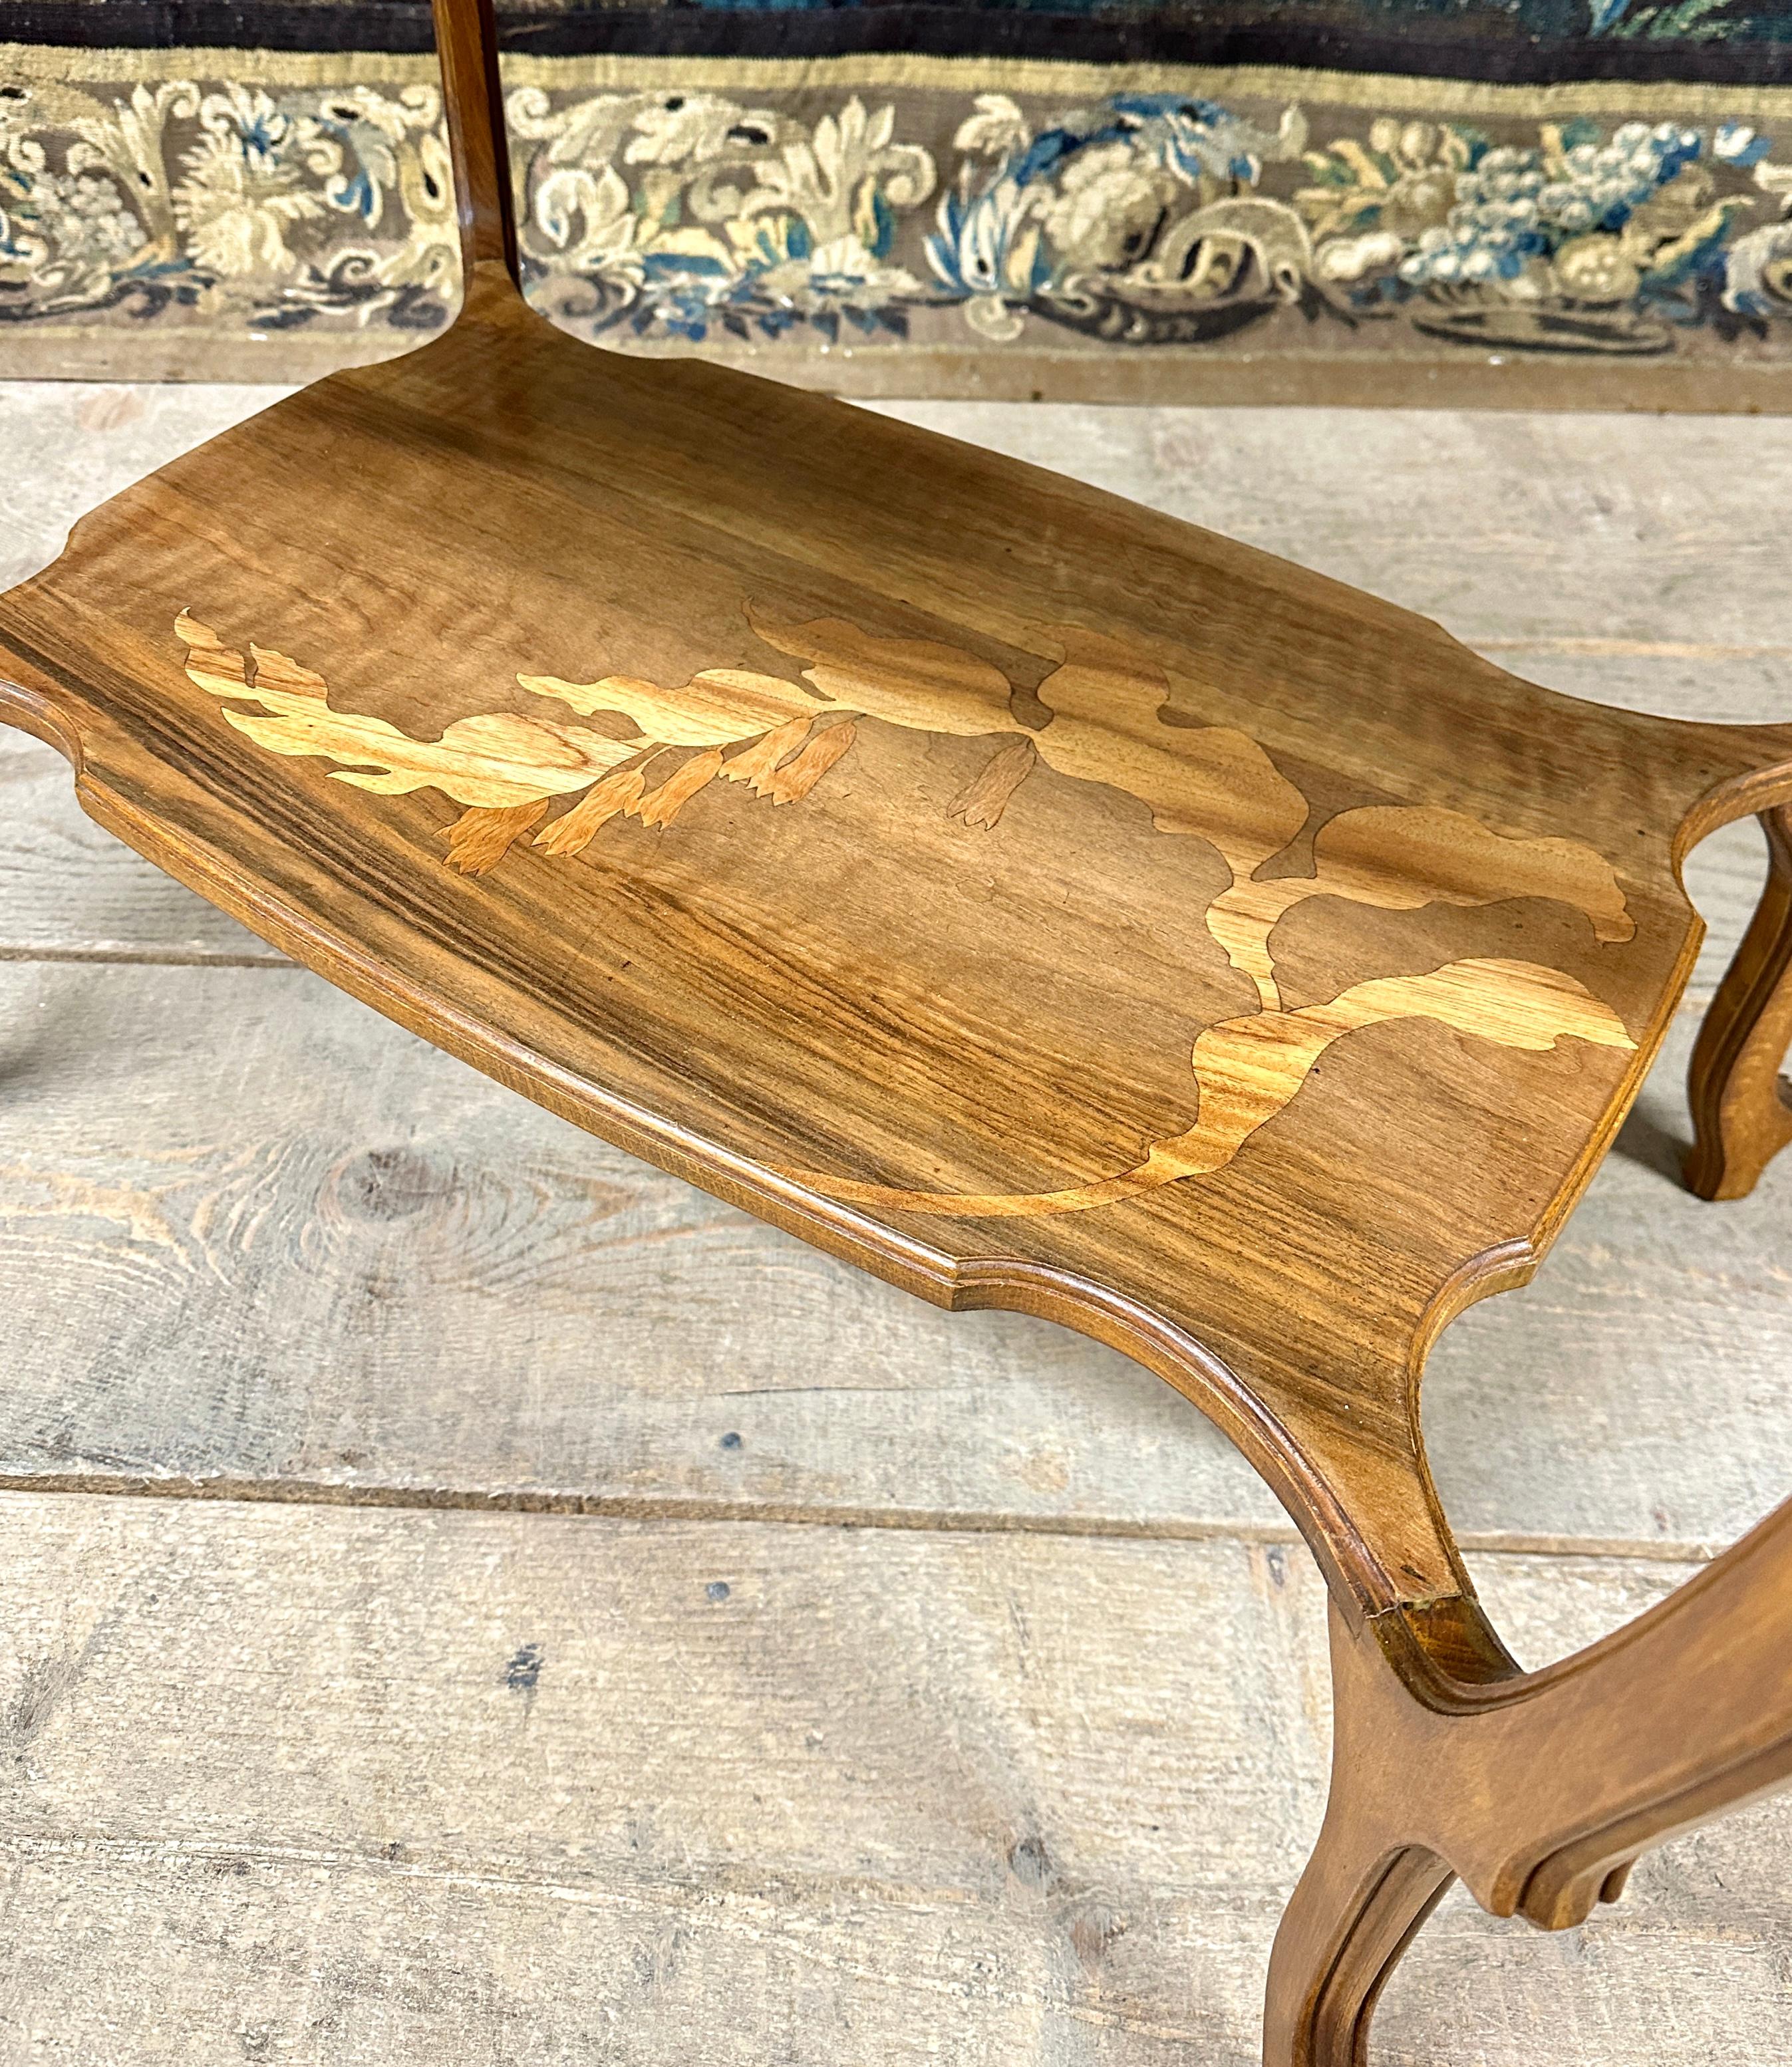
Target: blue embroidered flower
(1193,136)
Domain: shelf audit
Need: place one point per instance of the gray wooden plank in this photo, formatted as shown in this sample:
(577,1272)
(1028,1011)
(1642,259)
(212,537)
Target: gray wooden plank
(67,888)
(1723,876)
(72,444)
(1533,530)
(250,1233)
(458,1789)
(1641,1386)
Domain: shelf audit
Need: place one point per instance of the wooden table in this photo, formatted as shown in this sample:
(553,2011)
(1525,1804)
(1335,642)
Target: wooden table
(867,1087)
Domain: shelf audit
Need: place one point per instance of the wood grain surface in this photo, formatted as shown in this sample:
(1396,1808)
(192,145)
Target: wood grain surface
(365,1202)
(1550,1416)
(1567,523)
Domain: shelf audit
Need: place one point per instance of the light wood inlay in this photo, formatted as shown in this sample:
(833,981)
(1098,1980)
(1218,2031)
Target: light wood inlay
(494,761)
(895,984)
(1248,1069)
(1212,783)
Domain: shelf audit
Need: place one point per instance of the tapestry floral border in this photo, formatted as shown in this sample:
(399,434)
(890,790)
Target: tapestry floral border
(910,208)
(1147,215)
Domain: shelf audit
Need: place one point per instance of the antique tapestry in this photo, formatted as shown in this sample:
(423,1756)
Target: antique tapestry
(1582,202)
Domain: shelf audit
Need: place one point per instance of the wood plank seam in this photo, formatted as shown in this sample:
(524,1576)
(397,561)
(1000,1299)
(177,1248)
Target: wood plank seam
(300,1491)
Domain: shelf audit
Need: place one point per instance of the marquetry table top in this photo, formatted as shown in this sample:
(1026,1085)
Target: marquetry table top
(1040,901)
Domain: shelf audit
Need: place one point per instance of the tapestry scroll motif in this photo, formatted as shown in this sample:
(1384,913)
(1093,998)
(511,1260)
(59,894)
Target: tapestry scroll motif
(876,205)
(1145,219)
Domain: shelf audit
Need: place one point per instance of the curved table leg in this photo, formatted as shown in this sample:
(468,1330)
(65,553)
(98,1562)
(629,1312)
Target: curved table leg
(1537,1789)
(1740,1115)
(1357,1908)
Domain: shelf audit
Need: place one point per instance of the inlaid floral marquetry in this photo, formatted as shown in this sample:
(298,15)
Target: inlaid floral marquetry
(1033,899)
(1103,703)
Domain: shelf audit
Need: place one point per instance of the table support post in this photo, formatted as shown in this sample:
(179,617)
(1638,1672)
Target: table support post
(1740,1115)
(1537,1789)
(466,42)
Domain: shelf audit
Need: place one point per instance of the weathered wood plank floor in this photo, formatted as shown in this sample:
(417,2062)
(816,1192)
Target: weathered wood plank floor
(836,1681)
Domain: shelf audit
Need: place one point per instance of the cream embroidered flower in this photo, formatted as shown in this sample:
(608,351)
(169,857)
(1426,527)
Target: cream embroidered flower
(1596,269)
(243,191)
(1110,206)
